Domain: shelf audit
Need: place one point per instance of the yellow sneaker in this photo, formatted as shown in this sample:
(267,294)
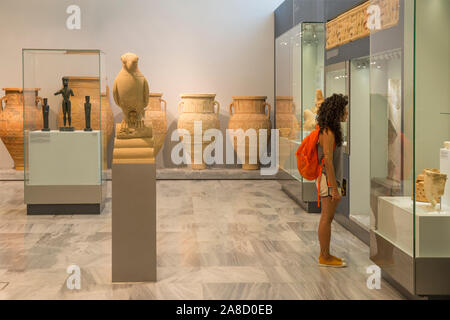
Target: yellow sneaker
(340,259)
(332,263)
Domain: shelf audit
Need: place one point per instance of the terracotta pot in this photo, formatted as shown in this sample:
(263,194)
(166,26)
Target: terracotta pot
(157,119)
(90,86)
(198,107)
(286,120)
(12,120)
(249,113)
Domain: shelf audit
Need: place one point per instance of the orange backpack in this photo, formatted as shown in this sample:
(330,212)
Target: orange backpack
(308,158)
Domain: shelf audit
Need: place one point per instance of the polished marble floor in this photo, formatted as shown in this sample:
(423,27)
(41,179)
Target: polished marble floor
(216,240)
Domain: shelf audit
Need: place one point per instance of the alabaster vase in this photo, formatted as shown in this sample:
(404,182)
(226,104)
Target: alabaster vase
(155,116)
(420,188)
(198,107)
(434,185)
(286,120)
(12,120)
(249,113)
(90,86)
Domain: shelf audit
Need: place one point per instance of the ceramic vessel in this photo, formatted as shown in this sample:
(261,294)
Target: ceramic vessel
(198,107)
(434,184)
(12,120)
(90,86)
(156,117)
(249,113)
(286,120)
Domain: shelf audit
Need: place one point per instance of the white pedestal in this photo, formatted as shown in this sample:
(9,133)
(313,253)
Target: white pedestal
(396,224)
(63,173)
(64,158)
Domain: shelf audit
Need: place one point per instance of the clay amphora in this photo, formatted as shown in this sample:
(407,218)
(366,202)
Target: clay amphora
(286,120)
(198,107)
(12,120)
(249,113)
(155,116)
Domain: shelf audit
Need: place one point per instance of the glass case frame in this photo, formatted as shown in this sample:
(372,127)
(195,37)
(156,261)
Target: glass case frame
(409,237)
(64,171)
(298,80)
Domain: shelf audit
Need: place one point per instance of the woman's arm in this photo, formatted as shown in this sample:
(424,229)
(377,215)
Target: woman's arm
(328,150)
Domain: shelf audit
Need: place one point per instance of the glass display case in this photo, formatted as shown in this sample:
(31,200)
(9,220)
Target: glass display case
(284,104)
(351,78)
(64,138)
(410,163)
(299,75)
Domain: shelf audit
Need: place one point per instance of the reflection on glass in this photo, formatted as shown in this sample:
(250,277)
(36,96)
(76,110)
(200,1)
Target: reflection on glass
(360,141)
(336,80)
(313,44)
(284,99)
(392,143)
(299,73)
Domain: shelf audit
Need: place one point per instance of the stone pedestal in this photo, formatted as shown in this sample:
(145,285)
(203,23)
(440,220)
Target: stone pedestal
(133,211)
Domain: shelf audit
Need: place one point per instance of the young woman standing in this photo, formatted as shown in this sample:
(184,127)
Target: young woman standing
(332,112)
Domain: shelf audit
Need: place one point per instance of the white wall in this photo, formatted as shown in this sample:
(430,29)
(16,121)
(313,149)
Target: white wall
(212,46)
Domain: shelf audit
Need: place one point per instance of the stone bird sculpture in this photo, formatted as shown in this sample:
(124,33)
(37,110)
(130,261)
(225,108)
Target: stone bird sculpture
(131,94)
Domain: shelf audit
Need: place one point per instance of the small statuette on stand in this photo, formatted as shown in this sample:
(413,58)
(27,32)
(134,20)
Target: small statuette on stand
(45,113)
(87,114)
(66,92)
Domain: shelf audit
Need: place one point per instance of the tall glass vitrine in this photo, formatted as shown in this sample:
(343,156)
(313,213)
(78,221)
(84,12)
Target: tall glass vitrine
(299,75)
(64,139)
(351,78)
(410,163)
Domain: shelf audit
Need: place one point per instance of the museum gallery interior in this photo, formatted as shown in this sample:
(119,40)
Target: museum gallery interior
(149,149)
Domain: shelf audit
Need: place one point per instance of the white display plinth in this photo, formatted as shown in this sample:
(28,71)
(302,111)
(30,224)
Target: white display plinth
(64,158)
(395,223)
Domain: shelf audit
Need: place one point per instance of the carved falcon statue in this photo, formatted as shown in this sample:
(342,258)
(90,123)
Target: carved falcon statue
(131,92)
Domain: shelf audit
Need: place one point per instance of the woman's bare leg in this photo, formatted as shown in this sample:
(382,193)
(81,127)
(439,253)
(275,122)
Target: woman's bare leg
(326,218)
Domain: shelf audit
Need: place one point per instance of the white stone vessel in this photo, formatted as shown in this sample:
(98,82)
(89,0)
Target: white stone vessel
(434,184)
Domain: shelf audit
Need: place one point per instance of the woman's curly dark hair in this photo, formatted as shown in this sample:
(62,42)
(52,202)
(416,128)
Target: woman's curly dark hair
(330,116)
